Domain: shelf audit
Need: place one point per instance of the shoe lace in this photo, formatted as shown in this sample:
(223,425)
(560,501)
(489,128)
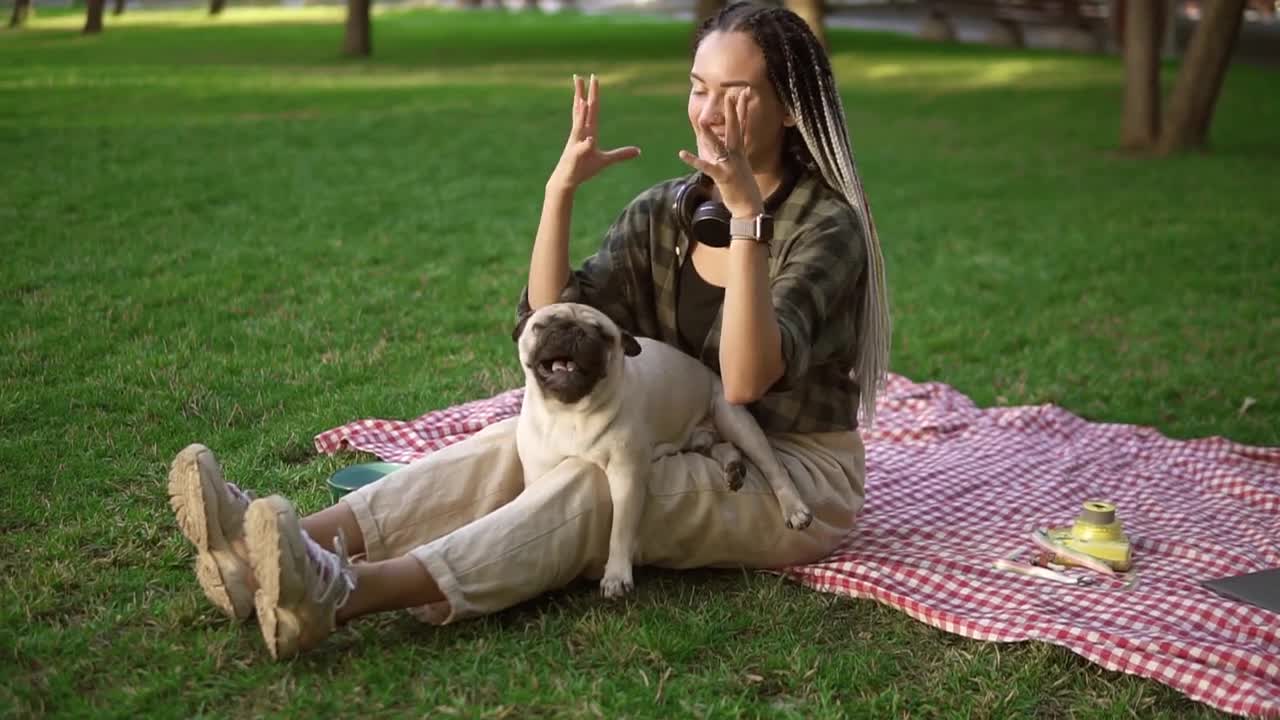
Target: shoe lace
(337,579)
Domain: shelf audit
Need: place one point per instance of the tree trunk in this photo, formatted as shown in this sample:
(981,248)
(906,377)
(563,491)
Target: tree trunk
(531,6)
(937,27)
(93,17)
(1143,30)
(1115,22)
(814,13)
(707,8)
(1186,121)
(1169,44)
(216,6)
(1006,33)
(358,42)
(21,9)
(119,7)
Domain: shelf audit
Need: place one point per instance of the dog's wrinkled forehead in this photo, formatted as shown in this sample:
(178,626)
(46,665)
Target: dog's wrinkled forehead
(569,314)
(569,327)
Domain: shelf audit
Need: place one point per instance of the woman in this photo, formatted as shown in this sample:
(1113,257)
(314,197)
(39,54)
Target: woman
(788,324)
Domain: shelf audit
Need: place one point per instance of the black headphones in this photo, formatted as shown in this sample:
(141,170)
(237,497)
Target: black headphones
(706,220)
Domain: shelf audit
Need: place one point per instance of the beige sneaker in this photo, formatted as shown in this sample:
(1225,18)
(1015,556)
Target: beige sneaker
(210,513)
(300,584)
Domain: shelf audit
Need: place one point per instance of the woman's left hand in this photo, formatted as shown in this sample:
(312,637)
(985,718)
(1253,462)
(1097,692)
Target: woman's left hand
(725,161)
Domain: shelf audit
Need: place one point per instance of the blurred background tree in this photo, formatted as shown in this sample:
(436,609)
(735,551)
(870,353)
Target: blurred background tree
(1144,31)
(358,37)
(21,9)
(93,17)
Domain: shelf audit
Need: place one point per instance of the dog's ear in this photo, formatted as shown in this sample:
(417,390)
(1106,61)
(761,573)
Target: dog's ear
(519,329)
(629,345)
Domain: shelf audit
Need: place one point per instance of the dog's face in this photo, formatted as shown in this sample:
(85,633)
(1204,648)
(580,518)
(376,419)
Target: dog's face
(568,349)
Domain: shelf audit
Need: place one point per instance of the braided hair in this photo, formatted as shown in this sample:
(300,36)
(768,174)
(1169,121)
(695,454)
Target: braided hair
(800,73)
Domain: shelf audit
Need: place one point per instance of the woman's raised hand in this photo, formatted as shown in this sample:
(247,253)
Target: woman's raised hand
(582,159)
(725,161)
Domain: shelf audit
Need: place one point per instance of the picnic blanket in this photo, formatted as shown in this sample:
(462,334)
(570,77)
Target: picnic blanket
(951,487)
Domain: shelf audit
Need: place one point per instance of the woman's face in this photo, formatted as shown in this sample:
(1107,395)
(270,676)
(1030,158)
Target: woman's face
(725,63)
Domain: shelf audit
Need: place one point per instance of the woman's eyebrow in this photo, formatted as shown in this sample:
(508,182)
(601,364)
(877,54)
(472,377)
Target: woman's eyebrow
(731,83)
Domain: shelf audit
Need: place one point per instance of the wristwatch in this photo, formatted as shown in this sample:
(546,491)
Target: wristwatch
(758,228)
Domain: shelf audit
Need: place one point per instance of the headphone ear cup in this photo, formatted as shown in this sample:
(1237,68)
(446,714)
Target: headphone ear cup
(711,224)
(701,218)
(688,196)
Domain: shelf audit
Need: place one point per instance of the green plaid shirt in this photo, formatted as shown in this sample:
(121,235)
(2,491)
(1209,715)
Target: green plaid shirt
(817,275)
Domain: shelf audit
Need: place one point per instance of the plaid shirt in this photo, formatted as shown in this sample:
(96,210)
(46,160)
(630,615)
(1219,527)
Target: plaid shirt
(817,278)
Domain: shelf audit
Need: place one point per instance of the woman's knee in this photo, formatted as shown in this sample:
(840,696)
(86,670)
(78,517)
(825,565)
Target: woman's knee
(580,490)
(437,494)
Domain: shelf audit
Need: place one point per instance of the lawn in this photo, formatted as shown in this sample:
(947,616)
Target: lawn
(220,231)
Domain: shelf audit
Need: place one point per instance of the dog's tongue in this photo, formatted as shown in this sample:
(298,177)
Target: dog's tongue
(559,365)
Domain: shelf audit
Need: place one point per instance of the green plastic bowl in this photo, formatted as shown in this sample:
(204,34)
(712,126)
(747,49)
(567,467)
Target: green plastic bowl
(357,476)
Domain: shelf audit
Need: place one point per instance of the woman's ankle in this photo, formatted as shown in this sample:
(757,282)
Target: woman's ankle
(396,584)
(323,526)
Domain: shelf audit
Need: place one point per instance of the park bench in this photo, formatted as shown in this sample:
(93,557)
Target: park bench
(1008,18)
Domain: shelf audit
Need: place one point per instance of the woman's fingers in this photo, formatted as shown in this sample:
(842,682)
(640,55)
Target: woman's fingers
(697,163)
(582,157)
(619,154)
(593,103)
(732,137)
(586,106)
(740,114)
(579,108)
(709,146)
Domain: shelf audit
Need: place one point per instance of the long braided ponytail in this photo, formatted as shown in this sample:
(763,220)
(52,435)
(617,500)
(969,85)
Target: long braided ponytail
(800,72)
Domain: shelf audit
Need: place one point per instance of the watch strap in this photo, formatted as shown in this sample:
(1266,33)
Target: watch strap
(757,228)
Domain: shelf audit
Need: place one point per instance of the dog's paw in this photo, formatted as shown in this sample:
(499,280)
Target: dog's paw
(701,441)
(798,517)
(613,587)
(735,472)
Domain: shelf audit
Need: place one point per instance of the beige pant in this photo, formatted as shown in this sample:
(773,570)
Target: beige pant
(490,542)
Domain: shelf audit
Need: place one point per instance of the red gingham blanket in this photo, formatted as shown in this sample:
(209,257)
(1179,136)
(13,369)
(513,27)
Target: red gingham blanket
(951,487)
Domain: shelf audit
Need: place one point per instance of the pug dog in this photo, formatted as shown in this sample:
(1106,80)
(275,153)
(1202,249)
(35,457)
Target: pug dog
(594,392)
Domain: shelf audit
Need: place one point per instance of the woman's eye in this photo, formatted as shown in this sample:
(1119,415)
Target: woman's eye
(697,91)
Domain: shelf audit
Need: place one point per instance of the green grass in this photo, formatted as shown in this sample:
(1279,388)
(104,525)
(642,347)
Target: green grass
(221,231)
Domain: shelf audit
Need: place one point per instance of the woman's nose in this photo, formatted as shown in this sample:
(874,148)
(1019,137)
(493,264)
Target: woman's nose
(711,112)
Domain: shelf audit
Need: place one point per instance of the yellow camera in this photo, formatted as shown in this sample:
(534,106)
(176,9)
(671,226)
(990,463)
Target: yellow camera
(1096,532)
